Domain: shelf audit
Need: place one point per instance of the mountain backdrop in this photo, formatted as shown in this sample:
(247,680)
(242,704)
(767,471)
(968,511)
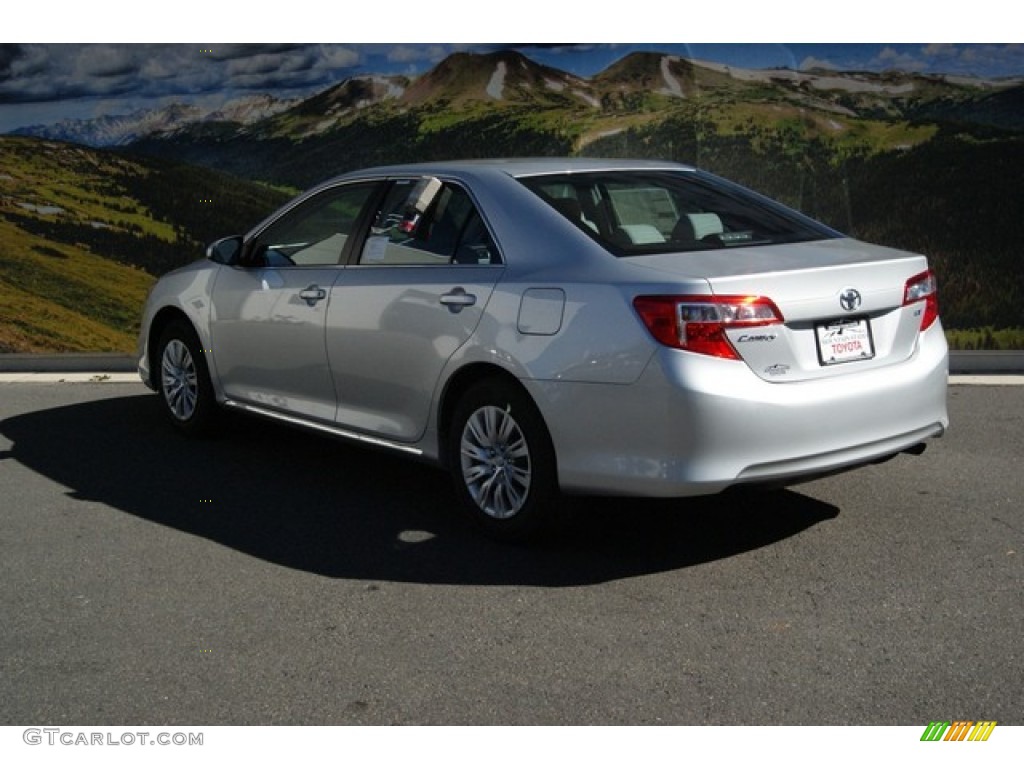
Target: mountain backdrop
(91,211)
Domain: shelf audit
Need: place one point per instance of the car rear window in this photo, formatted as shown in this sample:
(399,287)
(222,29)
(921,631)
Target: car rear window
(639,212)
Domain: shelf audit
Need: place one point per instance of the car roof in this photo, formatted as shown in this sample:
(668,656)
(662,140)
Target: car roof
(518,167)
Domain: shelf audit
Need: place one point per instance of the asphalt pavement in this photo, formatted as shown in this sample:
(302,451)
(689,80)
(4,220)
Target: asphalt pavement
(268,576)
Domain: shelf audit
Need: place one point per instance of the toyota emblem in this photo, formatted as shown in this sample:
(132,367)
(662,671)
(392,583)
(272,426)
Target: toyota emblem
(849,299)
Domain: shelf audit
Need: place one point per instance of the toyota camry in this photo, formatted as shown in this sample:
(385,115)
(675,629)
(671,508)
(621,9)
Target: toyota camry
(549,326)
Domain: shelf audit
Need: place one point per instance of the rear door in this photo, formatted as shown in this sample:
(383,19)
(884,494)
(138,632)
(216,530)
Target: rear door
(414,294)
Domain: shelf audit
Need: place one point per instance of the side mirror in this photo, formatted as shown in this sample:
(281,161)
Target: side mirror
(226,250)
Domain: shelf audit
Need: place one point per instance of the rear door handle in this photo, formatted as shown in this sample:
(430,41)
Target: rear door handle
(312,294)
(457,298)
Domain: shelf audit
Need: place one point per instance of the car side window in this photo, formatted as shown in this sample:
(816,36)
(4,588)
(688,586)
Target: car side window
(315,232)
(425,221)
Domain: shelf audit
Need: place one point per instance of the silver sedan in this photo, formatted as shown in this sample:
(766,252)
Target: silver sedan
(547,326)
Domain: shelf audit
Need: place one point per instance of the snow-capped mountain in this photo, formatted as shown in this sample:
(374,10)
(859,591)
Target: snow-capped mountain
(501,77)
(250,109)
(120,130)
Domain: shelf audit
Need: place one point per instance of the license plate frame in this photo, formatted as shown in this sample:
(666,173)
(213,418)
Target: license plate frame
(844,340)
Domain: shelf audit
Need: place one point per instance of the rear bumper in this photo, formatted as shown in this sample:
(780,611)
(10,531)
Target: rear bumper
(696,425)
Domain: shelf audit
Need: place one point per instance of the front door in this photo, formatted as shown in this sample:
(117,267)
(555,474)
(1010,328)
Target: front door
(269,313)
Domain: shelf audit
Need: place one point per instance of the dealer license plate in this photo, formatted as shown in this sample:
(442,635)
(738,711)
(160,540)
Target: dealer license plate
(842,341)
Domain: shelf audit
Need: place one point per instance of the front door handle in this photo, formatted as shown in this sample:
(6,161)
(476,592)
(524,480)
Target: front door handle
(457,299)
(312,294)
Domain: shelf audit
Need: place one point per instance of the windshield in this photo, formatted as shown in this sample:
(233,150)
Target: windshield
(639,212)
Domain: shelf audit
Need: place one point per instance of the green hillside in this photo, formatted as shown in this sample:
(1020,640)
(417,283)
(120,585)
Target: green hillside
(83,233)
(918,162)
(948,189)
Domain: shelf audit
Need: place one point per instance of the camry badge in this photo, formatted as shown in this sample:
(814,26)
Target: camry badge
(849,299)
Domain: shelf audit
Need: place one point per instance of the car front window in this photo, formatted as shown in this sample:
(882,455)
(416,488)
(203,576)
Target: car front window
(315,232)
(639,212)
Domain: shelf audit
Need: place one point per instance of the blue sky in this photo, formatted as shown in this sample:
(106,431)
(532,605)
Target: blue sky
(45,82)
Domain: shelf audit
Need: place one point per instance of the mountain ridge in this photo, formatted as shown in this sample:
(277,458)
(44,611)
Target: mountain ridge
(647,80)
(122,130)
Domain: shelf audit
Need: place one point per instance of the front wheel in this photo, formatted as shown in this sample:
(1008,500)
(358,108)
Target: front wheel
(184,377)
(502,461)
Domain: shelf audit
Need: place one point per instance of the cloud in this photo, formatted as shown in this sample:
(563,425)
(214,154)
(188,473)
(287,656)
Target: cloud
(892,59)
(9,52)
(983,59)
(261,64)
(232,51)
(31,73)
(941,51)
(29,61)
(338,56)
(100,61)
(813,62)
(405,54)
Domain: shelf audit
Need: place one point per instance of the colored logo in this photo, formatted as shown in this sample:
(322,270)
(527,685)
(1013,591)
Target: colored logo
(959,730)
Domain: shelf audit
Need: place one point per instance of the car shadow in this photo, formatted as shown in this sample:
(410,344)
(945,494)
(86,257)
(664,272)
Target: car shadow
(318,505)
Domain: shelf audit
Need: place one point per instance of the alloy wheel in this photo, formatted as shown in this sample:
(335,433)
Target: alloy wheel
(180,380)
(496,465)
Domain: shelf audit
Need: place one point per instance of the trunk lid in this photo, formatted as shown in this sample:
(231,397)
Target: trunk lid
(842,303)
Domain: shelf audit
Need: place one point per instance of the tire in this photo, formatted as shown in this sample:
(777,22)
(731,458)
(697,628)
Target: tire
(502,462)
(184,380)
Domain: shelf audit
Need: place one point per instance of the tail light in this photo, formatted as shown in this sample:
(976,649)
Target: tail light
(923,287)
(698,323)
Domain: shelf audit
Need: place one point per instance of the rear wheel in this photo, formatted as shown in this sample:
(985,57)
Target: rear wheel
(185,388)
(502,461)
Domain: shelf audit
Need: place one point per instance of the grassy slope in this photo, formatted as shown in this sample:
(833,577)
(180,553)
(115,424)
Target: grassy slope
(61,296)
(74,279)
